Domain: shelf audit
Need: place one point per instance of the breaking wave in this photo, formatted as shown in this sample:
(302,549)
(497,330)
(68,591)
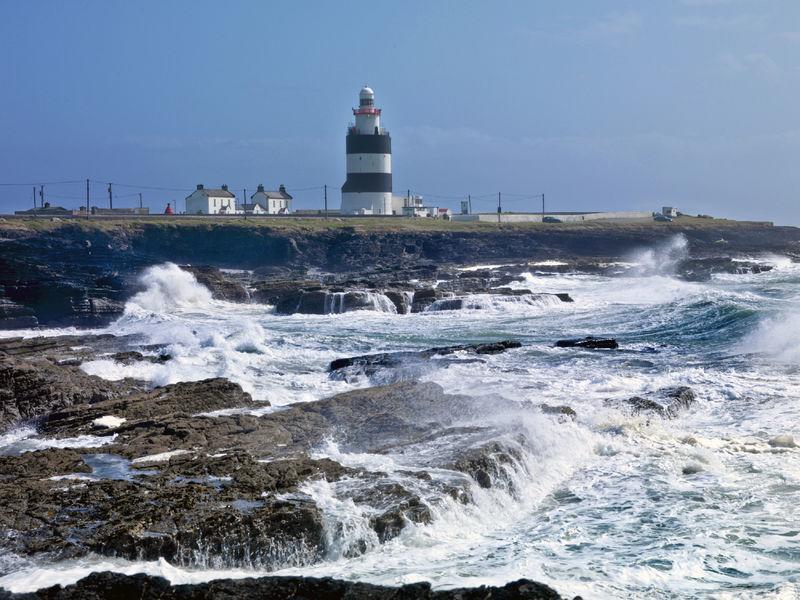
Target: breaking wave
(168,287)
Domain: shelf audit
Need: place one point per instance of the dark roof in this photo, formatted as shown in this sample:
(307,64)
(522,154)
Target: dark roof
(217,193)
(274,195)
(249,206)
(50,210)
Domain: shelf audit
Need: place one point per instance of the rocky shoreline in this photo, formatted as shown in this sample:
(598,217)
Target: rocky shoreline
(201,475)
(76,273)
(227,481)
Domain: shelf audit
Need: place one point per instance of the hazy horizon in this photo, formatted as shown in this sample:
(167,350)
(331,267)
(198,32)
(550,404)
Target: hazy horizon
(602,106)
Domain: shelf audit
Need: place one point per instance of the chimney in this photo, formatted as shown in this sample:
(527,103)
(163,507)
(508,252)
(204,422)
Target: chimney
(199,186)
(260,188)
(282,189)
(225,186)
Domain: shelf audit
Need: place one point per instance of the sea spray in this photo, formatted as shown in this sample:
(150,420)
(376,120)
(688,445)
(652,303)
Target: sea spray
(663,258)
(168,286)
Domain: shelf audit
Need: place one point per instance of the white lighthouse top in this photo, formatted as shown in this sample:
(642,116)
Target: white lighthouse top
(366,92)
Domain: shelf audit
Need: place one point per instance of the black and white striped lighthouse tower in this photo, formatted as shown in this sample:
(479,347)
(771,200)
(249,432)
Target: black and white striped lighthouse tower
(368,189)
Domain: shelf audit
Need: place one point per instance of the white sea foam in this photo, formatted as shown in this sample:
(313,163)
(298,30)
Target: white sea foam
(168,287)
(26,439)
(777,337)
(160,457)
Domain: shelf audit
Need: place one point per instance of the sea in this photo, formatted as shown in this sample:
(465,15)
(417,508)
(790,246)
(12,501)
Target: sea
(609,504)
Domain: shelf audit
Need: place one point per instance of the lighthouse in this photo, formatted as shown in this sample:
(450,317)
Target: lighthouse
(368,189)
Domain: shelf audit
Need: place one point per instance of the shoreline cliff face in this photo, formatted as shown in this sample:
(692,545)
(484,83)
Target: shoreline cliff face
(82,273)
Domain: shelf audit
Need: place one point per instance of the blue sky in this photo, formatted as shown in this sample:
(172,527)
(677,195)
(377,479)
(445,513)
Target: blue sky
(599,104)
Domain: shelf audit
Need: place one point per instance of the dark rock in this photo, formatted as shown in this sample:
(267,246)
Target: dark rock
(485,464)
(424,298)
(276,290)
(105,585)
(33,387)
(186,398)
(129,357)
(400,301)
(16,316)
(218,283)
(370,364)
(589,342)
(668,402)
(563,410)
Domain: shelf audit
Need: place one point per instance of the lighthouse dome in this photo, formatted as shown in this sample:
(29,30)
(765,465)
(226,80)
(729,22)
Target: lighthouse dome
(366,92)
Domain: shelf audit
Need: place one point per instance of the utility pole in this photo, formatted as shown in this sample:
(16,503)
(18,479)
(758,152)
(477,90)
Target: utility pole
(110,198)
(542,207)
(499,207)
(87,198)
(469,203)
(34,198)
(325,191)
(244,201)
(41,196)
(140,199)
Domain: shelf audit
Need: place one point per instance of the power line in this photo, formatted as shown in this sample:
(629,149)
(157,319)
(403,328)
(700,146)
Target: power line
(41,183)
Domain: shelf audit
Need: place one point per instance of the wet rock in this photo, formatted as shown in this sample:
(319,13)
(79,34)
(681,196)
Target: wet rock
(668,402)
(218,283)
(486,464)
(783,441)
(692,469)
(33,387)
(16,316)
(186,398)
(424,298)
(274,291)
(129,357)
(589,342)
(105,585)
(369,364)
(400,301)
(41,464)
(562,410)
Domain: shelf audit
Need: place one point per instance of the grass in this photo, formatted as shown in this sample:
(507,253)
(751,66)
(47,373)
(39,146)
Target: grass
(372,224)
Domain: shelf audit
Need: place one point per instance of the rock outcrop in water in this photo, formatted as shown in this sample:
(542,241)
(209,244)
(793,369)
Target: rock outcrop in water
(667,402)
(370,364)
(102,586)
(591,343)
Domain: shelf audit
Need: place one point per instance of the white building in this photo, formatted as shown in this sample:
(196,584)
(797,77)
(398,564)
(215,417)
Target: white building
(368,189)
(274,203)
(252,209)
(211,201)
(669,211)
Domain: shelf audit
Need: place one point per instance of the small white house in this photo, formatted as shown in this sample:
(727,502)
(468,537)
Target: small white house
(274,203)
(204,201)
(669,211)
(252,209)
